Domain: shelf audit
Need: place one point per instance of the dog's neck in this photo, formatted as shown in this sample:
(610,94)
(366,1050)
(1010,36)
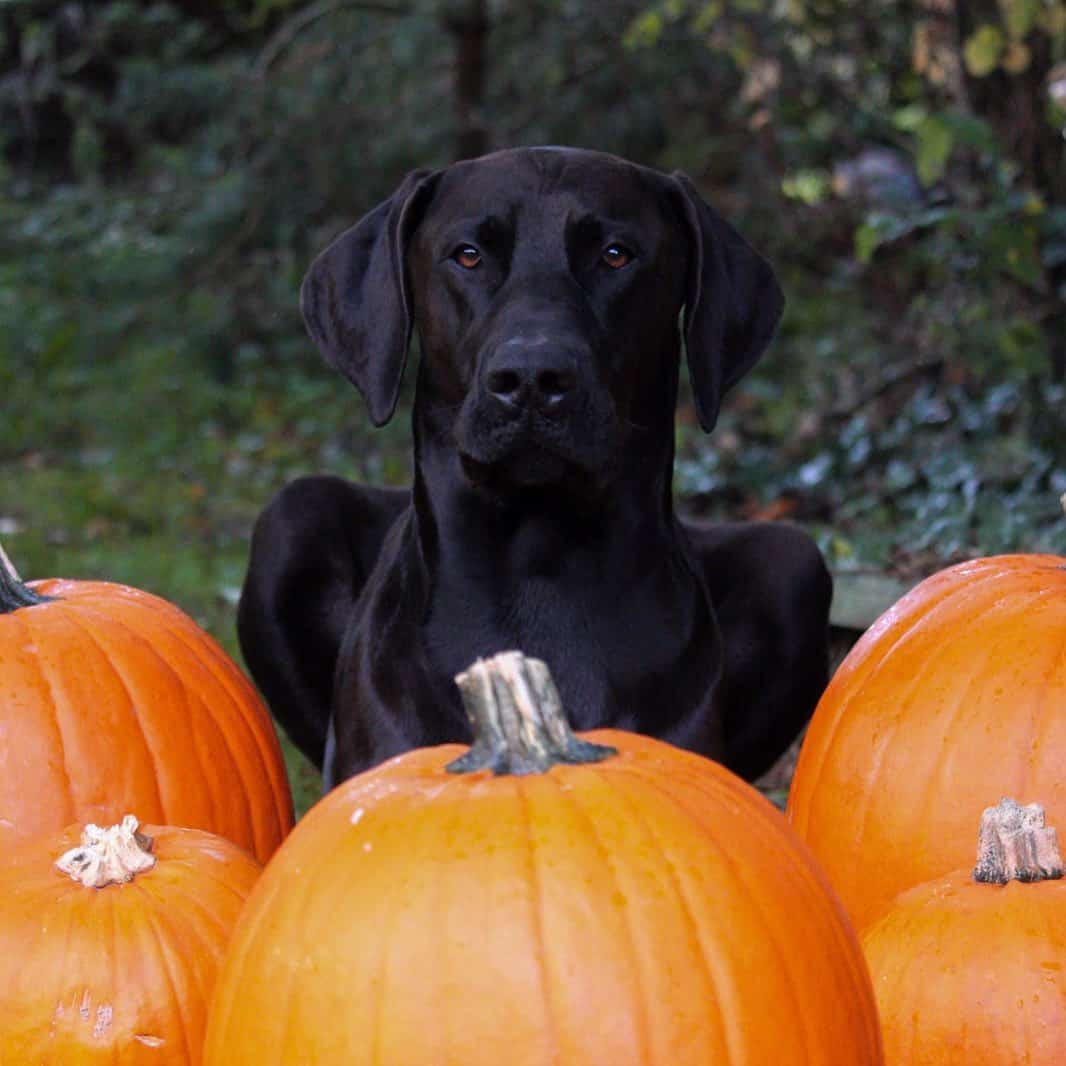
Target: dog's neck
(539,530)
(558,577)
(557,569)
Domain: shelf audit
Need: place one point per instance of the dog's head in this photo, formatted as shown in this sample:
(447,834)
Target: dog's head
(547,286)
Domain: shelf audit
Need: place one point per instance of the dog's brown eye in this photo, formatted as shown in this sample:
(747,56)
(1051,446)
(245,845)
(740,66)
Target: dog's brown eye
(467,256)
(616,256)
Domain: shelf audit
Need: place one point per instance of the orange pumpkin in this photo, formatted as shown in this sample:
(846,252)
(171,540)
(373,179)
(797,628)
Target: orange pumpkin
(112,958)
(111,700)
(542,899)
(970,969)
(953,698)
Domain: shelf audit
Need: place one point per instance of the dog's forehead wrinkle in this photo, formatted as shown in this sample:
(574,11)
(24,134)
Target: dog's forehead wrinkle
(541,231)
(480,227)
(553,190)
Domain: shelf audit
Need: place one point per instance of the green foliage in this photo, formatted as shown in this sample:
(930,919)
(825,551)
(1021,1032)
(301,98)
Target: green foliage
(170,168)
(170,174)
(993,226)
(935,139)
(983,50)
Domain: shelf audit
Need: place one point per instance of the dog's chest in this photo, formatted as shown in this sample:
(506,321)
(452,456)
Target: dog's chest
(601,640)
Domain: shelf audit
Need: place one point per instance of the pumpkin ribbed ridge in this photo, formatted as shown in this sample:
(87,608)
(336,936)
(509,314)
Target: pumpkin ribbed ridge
(215,759)
(31,702)
(258,731)
(611,914)
(541,944)
(97,640)
(120,701)
(687,906)
(808,883)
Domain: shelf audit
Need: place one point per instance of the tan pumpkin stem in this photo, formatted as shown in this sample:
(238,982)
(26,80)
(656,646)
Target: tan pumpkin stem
(1015,845)
(108,856)
(13,593)
(518,720)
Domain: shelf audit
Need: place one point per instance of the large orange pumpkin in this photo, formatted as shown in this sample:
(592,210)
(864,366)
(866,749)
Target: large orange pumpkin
(112,959)
(953,698)
(970,969)
(112,700)
(546,901)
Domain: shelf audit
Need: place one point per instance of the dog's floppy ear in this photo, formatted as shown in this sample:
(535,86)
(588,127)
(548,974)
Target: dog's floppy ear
(355,302)
(732,303)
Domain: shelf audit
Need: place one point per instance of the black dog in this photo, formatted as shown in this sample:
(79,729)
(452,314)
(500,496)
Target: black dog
(546,285)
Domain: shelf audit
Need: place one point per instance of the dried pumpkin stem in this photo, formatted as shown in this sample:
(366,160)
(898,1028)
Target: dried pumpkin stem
(518,720)
(1015,845)
(108,856)
(13,593)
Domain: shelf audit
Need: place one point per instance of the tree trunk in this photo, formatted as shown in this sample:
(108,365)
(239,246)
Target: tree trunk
(468,22)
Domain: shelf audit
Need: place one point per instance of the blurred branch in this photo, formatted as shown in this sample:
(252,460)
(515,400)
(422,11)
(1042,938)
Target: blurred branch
(928,369)
(284,36)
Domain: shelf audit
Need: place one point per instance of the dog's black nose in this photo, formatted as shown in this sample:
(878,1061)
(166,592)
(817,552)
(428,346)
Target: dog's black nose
(540,382)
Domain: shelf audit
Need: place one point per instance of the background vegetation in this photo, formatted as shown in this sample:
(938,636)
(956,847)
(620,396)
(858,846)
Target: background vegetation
(170,168)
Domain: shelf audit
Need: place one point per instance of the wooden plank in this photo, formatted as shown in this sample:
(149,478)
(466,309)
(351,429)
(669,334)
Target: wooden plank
(861,596)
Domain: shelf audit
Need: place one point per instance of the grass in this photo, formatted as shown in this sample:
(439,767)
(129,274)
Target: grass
(163,497)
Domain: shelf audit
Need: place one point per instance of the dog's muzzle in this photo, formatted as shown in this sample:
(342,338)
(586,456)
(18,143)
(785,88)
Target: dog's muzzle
(535,419)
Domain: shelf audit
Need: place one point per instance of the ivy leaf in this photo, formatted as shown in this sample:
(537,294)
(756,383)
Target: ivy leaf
(909,118)
(867,239)
(1013,249)
(809,186)
(706,17)
(982,51)
(1022,346)
(975,132)
(1019,16)
(935,141)
(880,228)
(644,31)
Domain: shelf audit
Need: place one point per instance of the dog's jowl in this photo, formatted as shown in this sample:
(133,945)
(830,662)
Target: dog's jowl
(553,291)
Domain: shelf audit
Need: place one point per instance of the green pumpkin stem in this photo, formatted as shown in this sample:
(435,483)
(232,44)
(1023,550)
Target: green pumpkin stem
(518,720)
(1014,844)
(108,856)
(13,593)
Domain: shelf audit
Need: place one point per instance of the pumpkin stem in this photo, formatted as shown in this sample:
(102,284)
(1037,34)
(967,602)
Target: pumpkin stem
(13,593)
(518,720)
(108,856)
(1014,844)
